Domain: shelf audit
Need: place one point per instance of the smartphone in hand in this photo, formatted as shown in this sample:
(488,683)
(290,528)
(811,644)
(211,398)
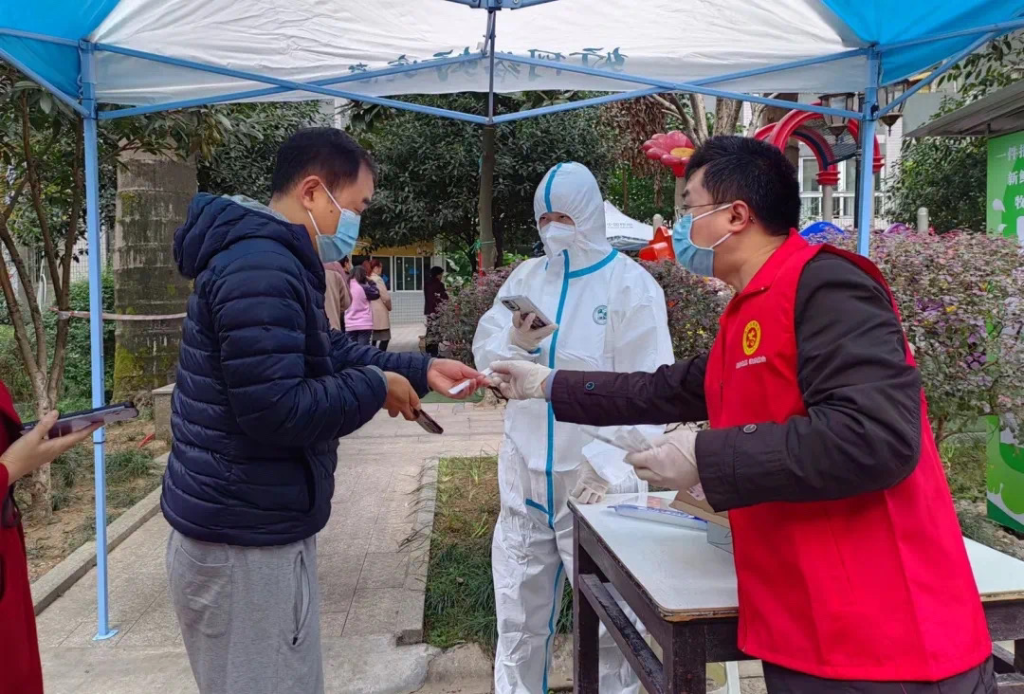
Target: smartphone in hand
(76,421)
(523,305)
(428,423)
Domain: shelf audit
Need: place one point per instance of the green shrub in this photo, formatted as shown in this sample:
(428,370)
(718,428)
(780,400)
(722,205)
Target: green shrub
(77,389)
(12,370)
(77,364)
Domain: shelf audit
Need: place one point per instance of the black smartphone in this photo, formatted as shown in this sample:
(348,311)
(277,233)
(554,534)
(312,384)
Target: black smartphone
(428,423)
(76,421)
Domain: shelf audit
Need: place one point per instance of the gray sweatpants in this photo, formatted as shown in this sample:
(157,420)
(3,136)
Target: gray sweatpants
(250,616)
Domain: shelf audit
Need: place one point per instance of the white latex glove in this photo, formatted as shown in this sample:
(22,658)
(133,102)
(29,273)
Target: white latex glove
(520,380)
(525,336)
(672,463)
(591,487)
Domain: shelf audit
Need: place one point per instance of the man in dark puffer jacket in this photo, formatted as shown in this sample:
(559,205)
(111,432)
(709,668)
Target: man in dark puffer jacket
(265,388)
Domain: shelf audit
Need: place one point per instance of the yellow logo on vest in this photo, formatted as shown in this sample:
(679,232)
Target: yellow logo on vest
(751,337)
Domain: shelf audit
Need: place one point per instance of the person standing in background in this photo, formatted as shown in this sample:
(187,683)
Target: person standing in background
(434,294)
(381,308)
(337,298)
(359,317)
(434,291)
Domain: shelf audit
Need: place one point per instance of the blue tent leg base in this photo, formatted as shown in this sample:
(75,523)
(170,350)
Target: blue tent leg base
(111,633)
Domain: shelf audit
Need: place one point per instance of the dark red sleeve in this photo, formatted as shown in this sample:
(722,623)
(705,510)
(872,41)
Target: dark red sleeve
(673,393)
(5,487)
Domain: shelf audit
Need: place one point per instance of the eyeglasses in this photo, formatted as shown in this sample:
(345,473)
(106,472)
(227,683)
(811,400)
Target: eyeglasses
(685,209)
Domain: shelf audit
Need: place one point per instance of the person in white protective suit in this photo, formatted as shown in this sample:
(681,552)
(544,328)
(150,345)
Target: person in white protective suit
(609,314)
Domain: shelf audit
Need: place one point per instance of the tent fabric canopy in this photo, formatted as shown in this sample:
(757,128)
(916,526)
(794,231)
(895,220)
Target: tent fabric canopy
(306,40)
(625,232)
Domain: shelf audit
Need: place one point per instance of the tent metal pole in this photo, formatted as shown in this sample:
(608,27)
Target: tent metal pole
(668,85)
(290,84)
(271,91)
(998,29)
(92,207)
(492,21)
(868,125)
(33,36)
(791,65)
(938,72)
(42,82)
(491,5)
(573,105)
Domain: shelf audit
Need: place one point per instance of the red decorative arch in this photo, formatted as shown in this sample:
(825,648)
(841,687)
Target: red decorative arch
(781,132)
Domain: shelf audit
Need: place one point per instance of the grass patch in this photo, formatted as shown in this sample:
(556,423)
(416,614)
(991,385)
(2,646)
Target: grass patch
(460,589)
(964,458)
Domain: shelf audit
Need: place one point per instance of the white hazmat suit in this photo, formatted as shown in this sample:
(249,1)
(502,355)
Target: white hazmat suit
(612,317)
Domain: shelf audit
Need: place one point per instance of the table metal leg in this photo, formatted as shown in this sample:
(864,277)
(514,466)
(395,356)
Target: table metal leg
(685,660)
(586,652)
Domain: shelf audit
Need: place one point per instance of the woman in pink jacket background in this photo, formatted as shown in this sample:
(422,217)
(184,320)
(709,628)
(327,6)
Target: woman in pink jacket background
(359,316)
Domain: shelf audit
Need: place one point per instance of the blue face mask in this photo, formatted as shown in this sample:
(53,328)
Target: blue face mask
(697,259)
(333,248)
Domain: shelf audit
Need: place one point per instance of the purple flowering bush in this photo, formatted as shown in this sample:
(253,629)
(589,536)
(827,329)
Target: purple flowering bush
(454,324)
(959,297)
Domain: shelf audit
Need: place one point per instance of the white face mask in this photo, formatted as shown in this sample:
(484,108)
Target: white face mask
(557,237)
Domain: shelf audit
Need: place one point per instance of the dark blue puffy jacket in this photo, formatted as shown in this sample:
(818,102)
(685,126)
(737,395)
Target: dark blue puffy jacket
(264,388)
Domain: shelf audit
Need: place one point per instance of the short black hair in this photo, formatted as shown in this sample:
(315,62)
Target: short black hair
(759,174)
(326,152)
(436,271)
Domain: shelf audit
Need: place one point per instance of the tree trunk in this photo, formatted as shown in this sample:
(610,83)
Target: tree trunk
(153,193)
(485,209)
(657,188)
(727,116)
(700,120)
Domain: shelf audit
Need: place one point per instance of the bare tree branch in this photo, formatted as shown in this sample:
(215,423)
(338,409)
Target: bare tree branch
(35,187)
(18,320)
(63,294)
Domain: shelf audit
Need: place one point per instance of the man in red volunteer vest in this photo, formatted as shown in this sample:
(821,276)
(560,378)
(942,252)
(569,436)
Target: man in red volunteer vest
(852,572)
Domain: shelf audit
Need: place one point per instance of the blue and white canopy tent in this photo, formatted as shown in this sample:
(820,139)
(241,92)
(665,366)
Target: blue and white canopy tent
(153,55)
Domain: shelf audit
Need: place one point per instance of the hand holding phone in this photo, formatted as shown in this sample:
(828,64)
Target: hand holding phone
(401,398)
(76,421)
(524,306)
(428,423)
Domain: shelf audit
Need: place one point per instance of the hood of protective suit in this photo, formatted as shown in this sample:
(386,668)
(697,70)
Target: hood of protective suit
(571,189)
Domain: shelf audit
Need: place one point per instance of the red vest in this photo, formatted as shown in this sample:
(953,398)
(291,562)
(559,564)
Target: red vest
(873,587)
